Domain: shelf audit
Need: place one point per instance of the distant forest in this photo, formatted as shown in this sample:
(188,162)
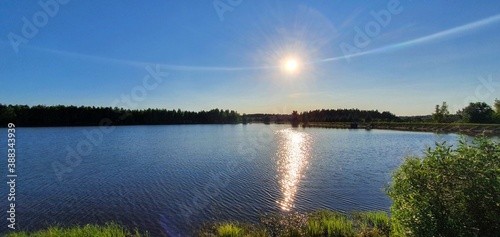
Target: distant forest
(60,115)
(47,116)
(348,115)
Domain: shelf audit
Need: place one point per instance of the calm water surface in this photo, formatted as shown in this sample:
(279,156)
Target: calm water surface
(167,179)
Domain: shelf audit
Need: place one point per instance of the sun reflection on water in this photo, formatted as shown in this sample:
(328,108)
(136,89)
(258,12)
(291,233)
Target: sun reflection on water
(293,154)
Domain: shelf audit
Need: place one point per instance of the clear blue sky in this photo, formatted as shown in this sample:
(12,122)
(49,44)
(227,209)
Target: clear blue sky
(228,54)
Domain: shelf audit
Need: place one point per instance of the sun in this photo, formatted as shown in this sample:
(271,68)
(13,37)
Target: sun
(291,65)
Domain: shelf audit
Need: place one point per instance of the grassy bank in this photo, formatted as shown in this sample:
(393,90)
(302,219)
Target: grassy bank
(108,230)
(462,128)
(319,223)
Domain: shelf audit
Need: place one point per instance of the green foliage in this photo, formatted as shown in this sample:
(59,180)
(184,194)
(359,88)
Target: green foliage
(496,105)
(305,118)
(232,229)
(295,119)
(108,230)
(374,223)
(229,230)
(267,120)
(349,115)
(496,116)
(327,223)
(319,223)
(60,115)
(450,192)
(7,113)
(441,113)
(244,119)
(478,112)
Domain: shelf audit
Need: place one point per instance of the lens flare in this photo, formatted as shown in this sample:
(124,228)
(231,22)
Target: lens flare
(291,65)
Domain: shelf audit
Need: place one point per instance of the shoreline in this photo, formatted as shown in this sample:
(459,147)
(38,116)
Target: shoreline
(440,128)
(313,223)
(458,128)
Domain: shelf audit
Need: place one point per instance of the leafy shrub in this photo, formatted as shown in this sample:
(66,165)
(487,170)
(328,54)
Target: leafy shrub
(450,192)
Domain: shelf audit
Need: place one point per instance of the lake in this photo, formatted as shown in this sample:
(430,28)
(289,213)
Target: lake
(170,179)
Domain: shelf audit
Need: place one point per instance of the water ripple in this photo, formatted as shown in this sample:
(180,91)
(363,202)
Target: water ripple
(156,177)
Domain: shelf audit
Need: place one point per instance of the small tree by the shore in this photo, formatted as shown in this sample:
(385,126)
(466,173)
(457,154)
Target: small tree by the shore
(295,119)
(497,111)
(440,113)
(478,112)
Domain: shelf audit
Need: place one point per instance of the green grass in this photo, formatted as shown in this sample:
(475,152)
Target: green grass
(229,230)
(378,221)
(108,230)
(330,227)
(319,223)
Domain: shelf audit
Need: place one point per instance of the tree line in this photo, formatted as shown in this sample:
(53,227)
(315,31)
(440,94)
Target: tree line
(60,115)
(475,112)
(345,115)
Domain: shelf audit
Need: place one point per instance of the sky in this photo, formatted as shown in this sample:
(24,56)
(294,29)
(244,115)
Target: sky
(399,56)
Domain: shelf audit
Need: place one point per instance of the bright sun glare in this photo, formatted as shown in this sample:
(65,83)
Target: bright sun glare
(291,65)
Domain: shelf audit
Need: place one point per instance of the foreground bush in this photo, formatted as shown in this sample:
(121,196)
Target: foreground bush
(108,230)
(450,192)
